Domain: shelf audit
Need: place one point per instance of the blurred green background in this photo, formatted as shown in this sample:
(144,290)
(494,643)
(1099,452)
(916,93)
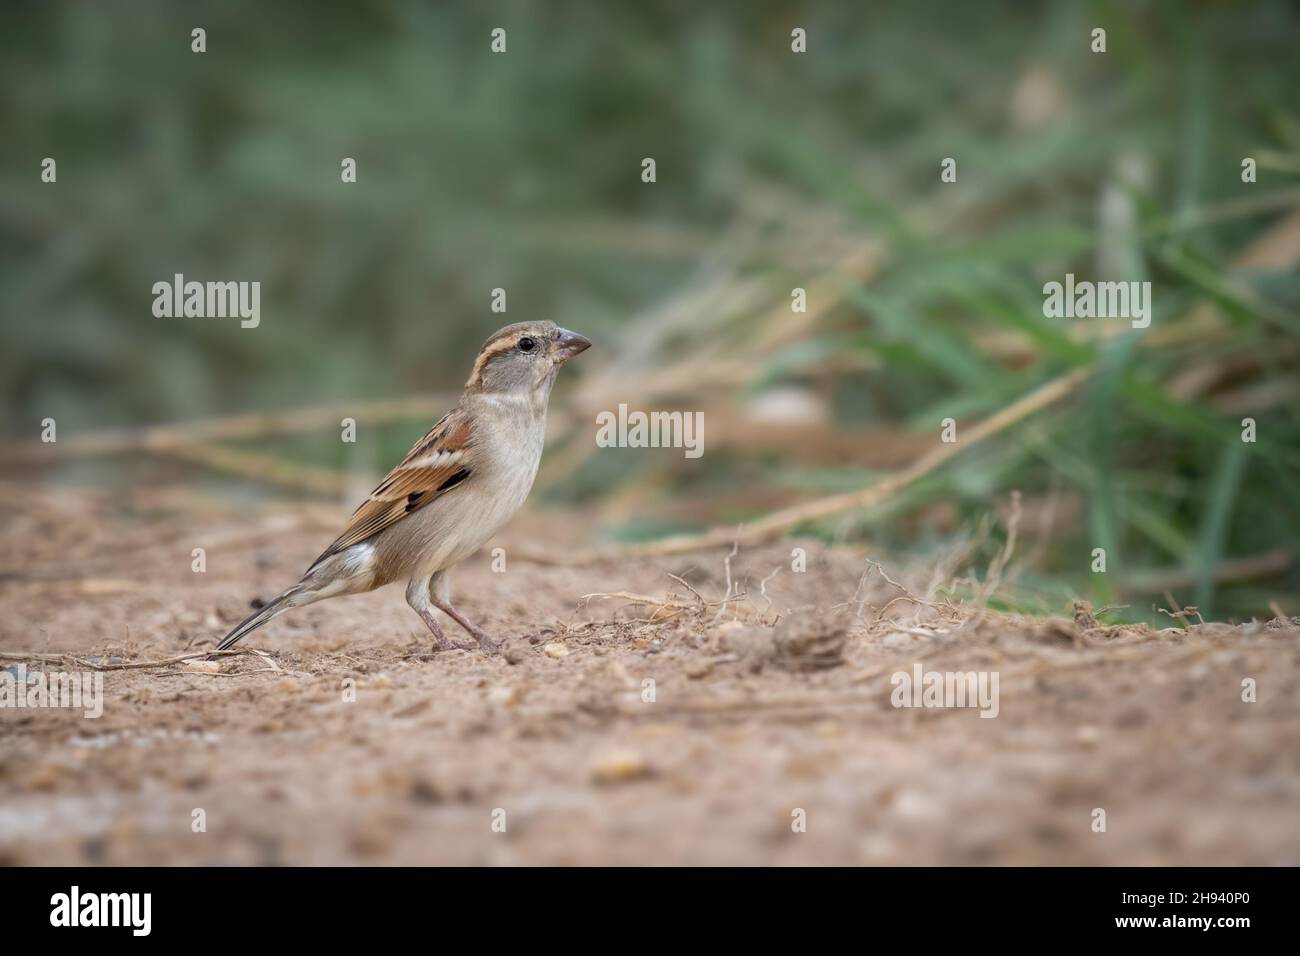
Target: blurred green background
(775,170)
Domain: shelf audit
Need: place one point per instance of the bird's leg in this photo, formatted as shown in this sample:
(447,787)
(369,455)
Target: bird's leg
(439,637)
(487,644)
(417,595)
(442,601)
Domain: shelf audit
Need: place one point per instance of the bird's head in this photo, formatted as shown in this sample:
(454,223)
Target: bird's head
(524,357)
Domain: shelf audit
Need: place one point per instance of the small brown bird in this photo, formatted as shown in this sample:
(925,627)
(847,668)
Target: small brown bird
(452,491)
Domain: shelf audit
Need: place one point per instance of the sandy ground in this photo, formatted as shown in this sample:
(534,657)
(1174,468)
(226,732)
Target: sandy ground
(559,752)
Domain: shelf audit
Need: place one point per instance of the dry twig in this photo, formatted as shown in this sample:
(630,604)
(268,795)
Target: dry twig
(126,666)
(781,521)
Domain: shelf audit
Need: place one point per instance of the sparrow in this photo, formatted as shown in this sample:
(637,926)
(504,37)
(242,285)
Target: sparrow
(451,493)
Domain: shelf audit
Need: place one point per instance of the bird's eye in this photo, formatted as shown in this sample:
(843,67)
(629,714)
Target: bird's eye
(526,344)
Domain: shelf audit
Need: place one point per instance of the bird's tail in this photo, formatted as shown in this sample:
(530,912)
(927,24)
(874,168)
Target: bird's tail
(259,617)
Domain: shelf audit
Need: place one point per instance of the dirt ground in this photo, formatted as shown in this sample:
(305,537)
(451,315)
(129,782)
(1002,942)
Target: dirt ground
(559,752)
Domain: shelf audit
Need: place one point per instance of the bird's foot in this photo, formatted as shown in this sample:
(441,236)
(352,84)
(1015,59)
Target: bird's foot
(486,642)
(441,641)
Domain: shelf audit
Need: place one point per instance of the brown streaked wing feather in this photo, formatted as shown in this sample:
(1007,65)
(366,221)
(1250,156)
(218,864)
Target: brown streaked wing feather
(433,467)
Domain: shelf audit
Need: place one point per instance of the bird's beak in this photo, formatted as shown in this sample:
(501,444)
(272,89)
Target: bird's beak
(568,344)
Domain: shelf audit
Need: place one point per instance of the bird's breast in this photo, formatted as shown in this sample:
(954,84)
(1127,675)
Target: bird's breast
(509,461)
(507,449)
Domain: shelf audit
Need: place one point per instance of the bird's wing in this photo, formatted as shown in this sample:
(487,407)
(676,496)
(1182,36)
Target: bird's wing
(439,462)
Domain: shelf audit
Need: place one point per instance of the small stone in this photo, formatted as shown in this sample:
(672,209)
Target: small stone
(619,766)
(380,680)
(1088,736)
(696,670)
(556,650)
(205,667)
(503,694)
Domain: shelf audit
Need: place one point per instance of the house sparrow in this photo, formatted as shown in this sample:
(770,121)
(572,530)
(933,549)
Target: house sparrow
(453,490)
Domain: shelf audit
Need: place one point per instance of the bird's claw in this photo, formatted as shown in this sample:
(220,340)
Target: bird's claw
(486,642)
